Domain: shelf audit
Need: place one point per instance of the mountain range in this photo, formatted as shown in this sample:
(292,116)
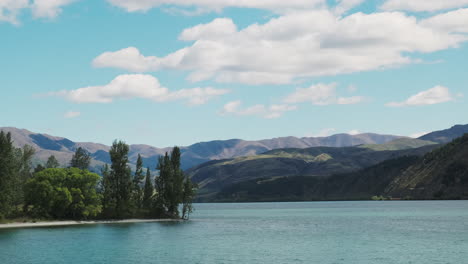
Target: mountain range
(193,155)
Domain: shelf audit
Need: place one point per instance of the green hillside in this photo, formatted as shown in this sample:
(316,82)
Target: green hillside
(439,174)
(399,144)
(312,162)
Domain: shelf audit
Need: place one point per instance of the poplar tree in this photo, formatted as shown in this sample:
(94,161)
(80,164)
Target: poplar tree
(120,176)
(137,181)
(52,163)
(108,197)
(170,185)
(148,191)
(6,173)
(188,194)
(81,159)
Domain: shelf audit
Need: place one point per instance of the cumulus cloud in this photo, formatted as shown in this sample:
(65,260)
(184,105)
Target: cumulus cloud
(138,86)
(268,112)
(345,5)
(436,95)
(423,5)
(301,44)
(71,114)
(452,22)
(10,9)
(48,8)
(321,94)
(218,5)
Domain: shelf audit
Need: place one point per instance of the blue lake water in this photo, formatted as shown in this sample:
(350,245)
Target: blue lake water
(318,232)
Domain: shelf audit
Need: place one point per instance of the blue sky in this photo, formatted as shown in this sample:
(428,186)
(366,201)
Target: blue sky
(177,72)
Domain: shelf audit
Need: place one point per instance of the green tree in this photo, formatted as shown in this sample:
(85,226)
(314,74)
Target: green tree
(107,191)
(52,163)
(148,190)
(81,159)
(137,181)
(23,172)
(63,193)
(120,181)
(7,169)
(187,197)
(39,168)
(170,185)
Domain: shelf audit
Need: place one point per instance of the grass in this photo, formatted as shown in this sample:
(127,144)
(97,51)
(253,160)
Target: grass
(281,154)
(399,144)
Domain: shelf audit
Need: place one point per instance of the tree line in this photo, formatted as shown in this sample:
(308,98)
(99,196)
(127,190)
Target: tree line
(50,192)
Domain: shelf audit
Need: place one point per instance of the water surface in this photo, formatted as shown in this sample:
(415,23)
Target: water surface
(318,232)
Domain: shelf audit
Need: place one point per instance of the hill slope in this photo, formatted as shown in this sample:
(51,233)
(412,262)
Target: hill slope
(359,185)
(315,162)
(440,174)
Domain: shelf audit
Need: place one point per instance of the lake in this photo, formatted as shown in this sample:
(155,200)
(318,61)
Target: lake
(314,232)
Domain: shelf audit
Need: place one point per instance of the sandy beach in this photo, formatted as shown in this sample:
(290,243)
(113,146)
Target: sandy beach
(70,223)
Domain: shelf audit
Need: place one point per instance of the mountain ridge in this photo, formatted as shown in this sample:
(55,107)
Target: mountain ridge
(192,155)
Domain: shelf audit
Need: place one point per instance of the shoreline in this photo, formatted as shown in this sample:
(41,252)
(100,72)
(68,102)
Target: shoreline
(72,223)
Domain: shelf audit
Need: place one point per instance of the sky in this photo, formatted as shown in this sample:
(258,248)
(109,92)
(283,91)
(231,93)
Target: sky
(177,72)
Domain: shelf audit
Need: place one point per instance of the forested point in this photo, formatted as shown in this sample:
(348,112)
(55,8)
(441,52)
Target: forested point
(74,193)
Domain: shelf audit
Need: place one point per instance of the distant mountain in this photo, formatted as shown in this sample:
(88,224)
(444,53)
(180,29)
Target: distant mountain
(313,162)
(447,135)
(63,148)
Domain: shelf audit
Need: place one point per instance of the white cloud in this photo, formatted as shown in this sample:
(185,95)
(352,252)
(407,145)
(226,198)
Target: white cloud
(321,94)
(301,44)
(270,112)
(71,114)
(452,22)
(48,8)
(323,133)
(10,9)
(129,58)
(138,86)
(346,5)
(218,5)
(436,95)
(354,132)
(417,135)
(423,5)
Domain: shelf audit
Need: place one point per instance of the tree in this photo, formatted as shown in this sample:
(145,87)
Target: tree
(106,189)
(52,163)
(22,174)
(137,181)
(39,168)
(170,185)
(120,181)
(177,181)
(148,190)
(63,193)
(15,169)
(7,168)
(81,159)
(187,197)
